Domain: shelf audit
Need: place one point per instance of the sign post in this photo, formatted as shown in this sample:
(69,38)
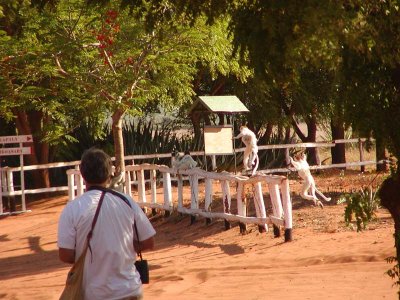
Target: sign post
(21,159)
(21,151)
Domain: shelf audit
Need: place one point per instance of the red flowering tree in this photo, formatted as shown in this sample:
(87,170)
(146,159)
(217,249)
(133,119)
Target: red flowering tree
(136,66)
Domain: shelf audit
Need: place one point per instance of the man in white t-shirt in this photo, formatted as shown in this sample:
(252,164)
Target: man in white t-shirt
(109,271)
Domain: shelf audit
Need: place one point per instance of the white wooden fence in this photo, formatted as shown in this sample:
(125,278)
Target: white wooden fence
(227,184)
(9,189)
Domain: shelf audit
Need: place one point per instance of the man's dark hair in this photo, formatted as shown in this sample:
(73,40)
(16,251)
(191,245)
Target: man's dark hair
(96,166)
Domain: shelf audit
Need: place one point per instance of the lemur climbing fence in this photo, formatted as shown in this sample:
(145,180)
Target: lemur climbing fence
(229,186)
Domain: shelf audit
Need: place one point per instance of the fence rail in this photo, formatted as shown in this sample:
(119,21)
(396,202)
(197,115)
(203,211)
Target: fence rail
(9,189)
(230,186)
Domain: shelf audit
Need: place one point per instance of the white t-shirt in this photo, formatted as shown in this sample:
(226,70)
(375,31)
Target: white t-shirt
(109,271)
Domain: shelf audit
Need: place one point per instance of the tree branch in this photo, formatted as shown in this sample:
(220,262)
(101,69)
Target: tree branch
(60,68)
(107,95)
(109,61)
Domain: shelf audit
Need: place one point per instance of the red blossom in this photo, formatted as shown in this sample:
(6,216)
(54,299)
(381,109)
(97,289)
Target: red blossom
(109,40)
(116,28)
(100,37)
(112,14)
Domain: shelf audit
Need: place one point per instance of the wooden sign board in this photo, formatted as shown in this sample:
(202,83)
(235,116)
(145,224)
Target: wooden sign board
(218,139)
(14,139)
(15,151)
(21,151)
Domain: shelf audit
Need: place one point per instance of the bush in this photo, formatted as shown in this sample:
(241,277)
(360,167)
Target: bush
(361,207)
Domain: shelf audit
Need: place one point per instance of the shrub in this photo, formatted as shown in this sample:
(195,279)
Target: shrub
(394,272)
(361,207)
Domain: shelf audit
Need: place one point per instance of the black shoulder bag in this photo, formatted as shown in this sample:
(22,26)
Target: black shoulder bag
(141,265)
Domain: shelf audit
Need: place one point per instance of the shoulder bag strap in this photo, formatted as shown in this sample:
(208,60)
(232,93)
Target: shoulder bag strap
(139,251)
(115,193)
(123,198)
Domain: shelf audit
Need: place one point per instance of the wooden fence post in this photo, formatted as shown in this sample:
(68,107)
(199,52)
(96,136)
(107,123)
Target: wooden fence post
(10,182)
(79,185)
(71,184)
(133,173)
(167,192)
(208,197)
(180,191)
(214,162)
(141,186)
(241,206)
(260,207)
(287,209)
(276,206)
(361,149)
(226,200)
(153,187)
(1,190)
(194,195)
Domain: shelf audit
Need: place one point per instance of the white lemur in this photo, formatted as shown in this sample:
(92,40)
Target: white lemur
(303,169)
(250,157)
(184,163)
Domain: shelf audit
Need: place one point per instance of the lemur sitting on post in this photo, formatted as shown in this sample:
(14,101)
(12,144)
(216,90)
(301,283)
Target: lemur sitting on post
(184,163)
(250,157)
(303,169)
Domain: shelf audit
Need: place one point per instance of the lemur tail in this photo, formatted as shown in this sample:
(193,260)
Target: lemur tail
(255,166)
(322,195)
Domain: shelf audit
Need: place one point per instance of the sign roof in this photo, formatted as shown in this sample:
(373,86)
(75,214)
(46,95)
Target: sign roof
(218,104)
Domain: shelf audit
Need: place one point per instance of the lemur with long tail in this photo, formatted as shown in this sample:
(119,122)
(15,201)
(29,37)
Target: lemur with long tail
(303,169)
(250,156)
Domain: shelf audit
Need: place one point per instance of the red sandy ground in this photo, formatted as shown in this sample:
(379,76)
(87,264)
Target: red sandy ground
(326,260)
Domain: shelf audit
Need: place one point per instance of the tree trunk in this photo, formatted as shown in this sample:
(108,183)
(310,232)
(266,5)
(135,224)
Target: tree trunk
(30,123)
(195,118)
(311,122)
(313,155)
(287,134)
(279,132)
(390,199)
(264,139)
(381,153)
(338,152)
(119,174)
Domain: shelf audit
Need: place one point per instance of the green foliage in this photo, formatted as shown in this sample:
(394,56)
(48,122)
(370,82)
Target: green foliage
(394,272)
(30,80)
(148,136)
(361,207)
(69,62)
(145,136)
(81,138)
(141,135)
